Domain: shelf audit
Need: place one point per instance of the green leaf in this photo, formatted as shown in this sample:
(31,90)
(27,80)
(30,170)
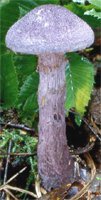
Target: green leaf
(9,82)
(3,2)
(31,3)
(98,178)
(28,94)
(25,6)
(9,13)
(93,13)
(78,119)
(41,2)
(79,82)
(79,1)
(25,65)
(31,104)
(3,49)
(80,9)
(95,3)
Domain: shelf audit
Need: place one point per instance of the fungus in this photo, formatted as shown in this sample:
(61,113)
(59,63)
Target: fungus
(49,31)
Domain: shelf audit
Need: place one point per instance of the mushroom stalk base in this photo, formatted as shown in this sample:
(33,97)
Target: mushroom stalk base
(55,164)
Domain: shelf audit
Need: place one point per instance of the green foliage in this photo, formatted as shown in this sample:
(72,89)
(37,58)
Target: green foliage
(25,6)
(35,3)
(79,1)
(78,119)
(28,94)
(80,10)
(93,13)
(8,80)
(25,65)
(4,2)
(94,10)
(79,82)
(41,2)
(21,143)
(9,13)
(95,3)
(98,178)
(8,77)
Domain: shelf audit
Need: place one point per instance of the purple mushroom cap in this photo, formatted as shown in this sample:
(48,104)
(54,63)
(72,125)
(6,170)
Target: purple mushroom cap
(49,29)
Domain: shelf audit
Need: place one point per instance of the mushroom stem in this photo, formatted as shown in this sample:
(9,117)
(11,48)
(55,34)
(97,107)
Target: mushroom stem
(55,164)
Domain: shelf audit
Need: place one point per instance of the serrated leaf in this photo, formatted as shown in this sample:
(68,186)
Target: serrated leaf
(79,82)
(9,82)
(80,9)
(95,3)
(23,11)
(28,94)
(93,13)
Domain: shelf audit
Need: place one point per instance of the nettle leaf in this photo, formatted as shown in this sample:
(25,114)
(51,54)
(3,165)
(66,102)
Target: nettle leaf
(79,82)
(28,94)
(93,13)
(8,80)
(95,3)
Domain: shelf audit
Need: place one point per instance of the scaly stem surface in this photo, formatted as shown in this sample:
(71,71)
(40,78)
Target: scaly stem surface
(55,164)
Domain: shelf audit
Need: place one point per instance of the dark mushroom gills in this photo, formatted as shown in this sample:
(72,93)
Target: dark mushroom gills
(49,31)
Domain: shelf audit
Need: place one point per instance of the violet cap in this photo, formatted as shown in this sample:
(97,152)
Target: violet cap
(49,29)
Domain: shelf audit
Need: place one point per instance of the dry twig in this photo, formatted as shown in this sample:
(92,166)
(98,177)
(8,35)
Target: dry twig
(82,150)
(7,187)
(18,126)
(6,167)
(16,154)
(13,177)
(10,193)
(93,173)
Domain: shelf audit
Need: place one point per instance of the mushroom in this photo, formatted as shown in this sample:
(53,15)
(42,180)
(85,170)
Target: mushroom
(49,31)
